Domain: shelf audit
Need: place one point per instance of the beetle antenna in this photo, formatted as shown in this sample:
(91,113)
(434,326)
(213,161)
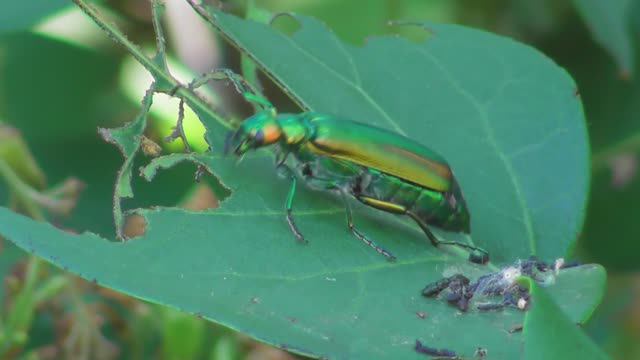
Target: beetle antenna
(241,85)
(260,101)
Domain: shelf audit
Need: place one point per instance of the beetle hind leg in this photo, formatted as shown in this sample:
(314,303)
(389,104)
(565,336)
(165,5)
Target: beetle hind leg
(478,255)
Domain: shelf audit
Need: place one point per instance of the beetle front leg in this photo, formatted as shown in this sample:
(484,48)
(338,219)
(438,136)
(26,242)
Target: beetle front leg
(292,224)
(242,86)
(289,204)
(281,157)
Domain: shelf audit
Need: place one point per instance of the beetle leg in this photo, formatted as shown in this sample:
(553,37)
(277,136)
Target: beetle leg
(361,236)
(292,224)
(281,157)
(289,204)
(398,209)
(325,184)
(436,242)
(242,86)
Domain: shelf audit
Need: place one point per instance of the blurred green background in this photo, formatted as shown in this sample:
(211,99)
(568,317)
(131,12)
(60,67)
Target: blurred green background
(61,78)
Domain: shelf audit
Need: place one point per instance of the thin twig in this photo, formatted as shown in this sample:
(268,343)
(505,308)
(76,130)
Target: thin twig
(157,10)
(162,76)
(178,130)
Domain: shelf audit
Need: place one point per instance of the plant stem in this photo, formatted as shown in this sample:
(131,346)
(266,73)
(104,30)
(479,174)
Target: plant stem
(165,81)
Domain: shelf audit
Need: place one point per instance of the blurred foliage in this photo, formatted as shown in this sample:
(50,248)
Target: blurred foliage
(611,24)
(56,94)
(21,15)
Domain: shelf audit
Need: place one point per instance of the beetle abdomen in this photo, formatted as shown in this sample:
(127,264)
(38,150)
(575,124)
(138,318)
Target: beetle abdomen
(445,210)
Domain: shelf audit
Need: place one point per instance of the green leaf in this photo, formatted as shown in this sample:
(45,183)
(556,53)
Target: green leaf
(611,25)
(20,15)
(510,125)
(128,139)
(550,334)
(353,24)
(570,288)
(326,299)
(506,146)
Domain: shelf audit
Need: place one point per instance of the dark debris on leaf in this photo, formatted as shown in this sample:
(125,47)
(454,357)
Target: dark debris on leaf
(499,289)
(516,328)
(420,348)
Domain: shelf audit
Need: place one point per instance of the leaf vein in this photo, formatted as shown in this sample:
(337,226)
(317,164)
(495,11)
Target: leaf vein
(351,270)
(537,145)
(354,69)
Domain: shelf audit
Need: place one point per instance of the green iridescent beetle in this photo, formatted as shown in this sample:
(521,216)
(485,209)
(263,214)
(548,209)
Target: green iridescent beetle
(379,168)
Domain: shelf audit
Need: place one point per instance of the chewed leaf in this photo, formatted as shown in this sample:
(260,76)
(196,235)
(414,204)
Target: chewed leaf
(507,121)
(332,298)
(127,139)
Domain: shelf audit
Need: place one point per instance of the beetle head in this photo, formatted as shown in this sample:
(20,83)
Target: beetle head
(259,130)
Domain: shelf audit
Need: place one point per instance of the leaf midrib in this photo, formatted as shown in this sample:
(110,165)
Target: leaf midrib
(349,270)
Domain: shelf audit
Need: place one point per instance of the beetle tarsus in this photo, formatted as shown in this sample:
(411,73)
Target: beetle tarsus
(478,255)
(289,205)
(294,229)
(373,245)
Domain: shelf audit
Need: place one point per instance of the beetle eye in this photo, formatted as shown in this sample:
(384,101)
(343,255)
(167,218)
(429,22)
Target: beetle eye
(259,138)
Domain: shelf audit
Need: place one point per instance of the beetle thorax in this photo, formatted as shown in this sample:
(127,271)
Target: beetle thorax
(294,129)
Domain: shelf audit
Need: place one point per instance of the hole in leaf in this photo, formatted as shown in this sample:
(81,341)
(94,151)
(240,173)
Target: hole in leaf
(414,31)
(134,226)
(200,198)
(285,23)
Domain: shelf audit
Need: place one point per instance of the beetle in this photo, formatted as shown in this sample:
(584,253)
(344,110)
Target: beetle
(379,168)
